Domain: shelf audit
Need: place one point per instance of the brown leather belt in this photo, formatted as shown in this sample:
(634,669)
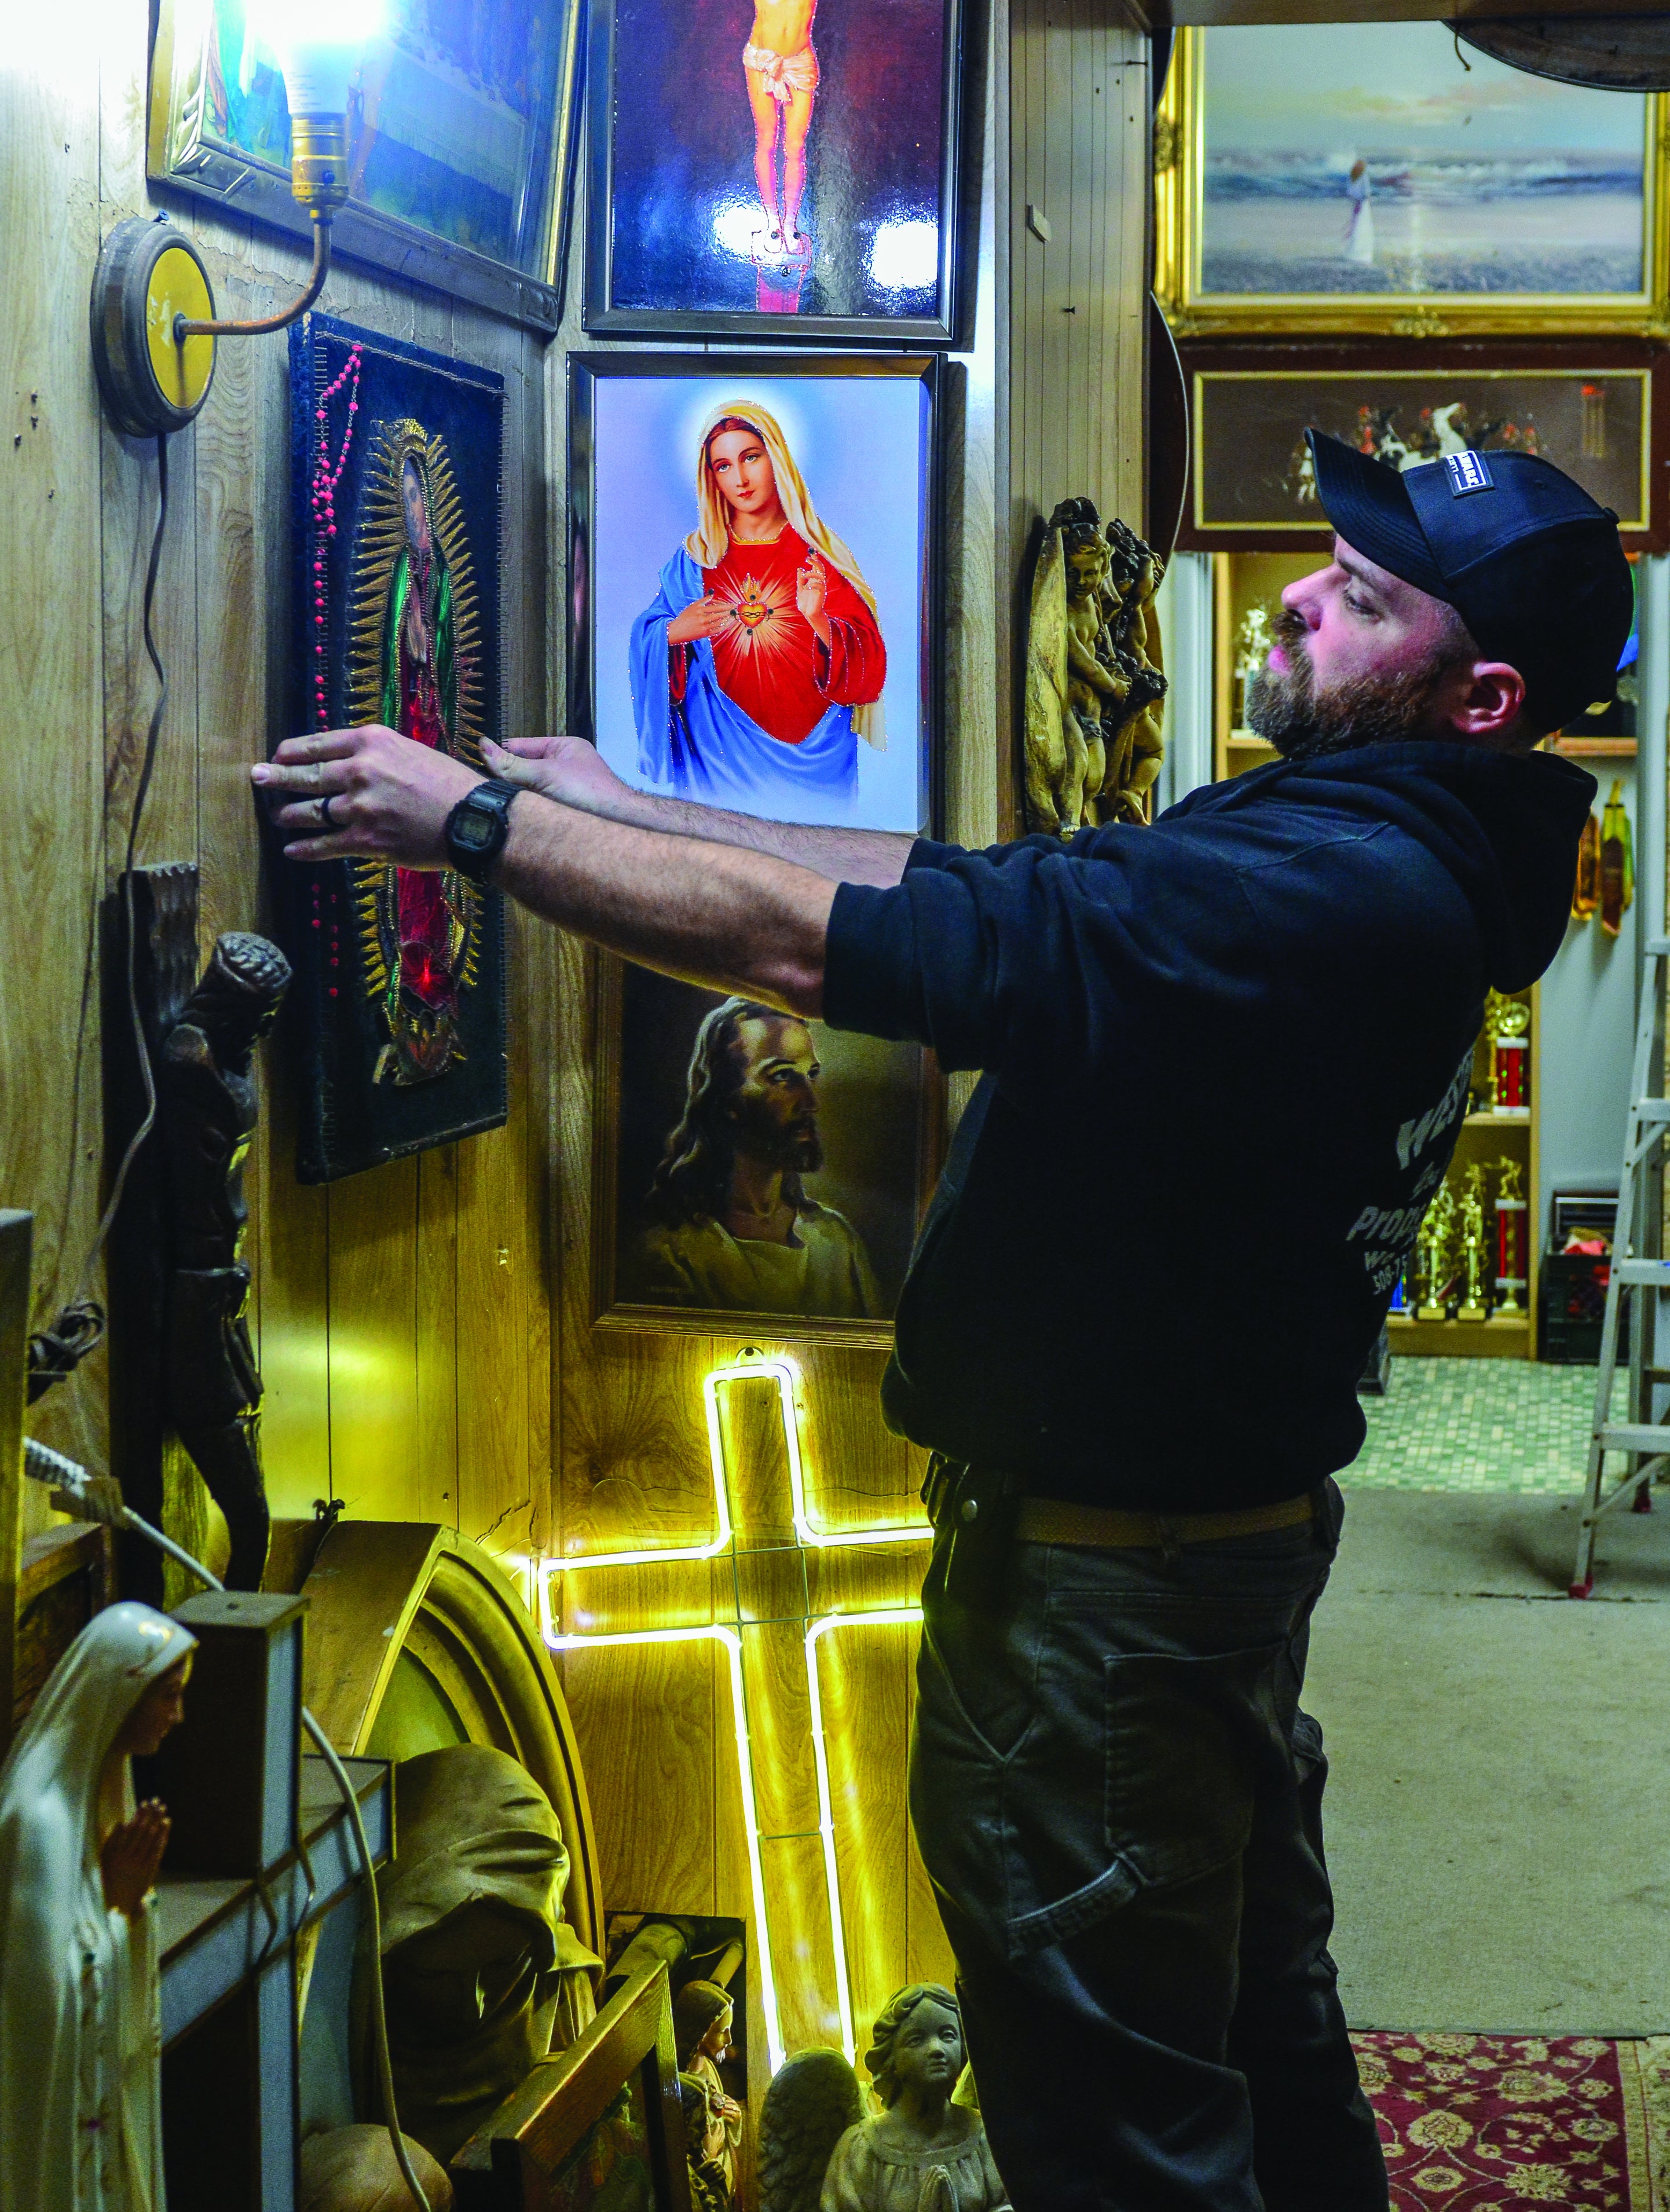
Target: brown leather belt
(1054,1521)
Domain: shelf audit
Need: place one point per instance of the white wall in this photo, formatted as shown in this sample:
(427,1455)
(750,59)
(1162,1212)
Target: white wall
(1590,995)
(1185,601)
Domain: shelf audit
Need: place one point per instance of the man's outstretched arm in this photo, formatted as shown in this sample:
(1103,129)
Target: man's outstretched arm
(572,771)
(720,915)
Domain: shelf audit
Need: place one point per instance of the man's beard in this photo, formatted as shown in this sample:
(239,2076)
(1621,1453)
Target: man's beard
(755,1131)
(1285,710)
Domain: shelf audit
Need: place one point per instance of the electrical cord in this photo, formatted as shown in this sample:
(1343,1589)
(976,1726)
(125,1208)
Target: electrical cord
(55,1352)
(99,1498)
(142,792)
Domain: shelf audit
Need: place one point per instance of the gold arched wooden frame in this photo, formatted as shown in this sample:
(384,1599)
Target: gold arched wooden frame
(379,540)
(377,1589)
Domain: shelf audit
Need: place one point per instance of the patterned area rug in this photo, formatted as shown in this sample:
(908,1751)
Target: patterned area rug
(1471,2122)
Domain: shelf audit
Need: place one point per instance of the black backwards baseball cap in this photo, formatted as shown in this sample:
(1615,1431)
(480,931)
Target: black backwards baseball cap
(1529,562)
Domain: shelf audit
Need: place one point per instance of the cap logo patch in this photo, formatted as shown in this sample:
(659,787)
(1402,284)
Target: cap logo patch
(1468,471)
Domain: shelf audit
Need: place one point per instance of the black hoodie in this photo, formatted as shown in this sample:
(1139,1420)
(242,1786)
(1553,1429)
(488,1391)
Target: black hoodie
(1225,1059)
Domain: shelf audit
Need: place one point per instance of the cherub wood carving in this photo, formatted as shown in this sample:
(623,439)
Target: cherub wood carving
(1093,740)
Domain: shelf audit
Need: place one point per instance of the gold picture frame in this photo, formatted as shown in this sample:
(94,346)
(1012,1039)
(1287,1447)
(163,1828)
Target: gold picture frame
(445,238)
(1193,311)
(881,1120)
(1597,411)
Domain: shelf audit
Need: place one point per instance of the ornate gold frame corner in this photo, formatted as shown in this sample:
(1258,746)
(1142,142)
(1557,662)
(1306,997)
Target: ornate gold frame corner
(1178,163)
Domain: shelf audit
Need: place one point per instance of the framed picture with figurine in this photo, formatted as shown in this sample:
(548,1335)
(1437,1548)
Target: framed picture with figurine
(1597,409)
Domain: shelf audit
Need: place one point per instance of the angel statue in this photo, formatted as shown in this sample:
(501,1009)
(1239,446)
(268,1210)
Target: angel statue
(1092,714)
(923,2153)
(812,2102)
(81,2034)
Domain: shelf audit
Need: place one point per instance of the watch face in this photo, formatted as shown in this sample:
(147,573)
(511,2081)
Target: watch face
(475,828)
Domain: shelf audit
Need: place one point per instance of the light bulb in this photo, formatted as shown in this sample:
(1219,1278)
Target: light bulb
(317,43)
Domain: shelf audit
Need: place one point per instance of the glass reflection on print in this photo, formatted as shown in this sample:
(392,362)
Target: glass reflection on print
(787,170)
(460,123)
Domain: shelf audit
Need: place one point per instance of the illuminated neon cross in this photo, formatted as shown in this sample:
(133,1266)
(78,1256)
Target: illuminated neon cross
(788,1571)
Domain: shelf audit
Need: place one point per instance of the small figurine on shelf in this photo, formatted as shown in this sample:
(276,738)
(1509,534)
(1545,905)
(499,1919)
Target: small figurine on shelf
(1472,1215)
(704,2146)
(702,2015)
(1506,1022)
(1617,862)
(1512,1245)
(1432,1242)
(81,2039)
(924,2153)
(1252,649)
(1586,891)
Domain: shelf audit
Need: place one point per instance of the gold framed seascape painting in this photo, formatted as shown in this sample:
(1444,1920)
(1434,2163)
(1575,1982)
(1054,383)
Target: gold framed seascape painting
(1371,178)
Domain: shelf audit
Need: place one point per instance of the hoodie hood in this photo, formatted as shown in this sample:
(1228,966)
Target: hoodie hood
(1505,826)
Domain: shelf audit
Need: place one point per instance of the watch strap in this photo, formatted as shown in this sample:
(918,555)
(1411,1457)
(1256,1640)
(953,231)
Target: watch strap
(492,795)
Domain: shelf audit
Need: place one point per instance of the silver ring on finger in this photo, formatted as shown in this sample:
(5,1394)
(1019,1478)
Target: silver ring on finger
(325,821)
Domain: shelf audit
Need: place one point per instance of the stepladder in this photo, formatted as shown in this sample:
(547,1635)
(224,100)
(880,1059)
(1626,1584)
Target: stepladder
(1640,1277)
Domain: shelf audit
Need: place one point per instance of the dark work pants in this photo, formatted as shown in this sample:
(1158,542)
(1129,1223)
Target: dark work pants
(1120,1803)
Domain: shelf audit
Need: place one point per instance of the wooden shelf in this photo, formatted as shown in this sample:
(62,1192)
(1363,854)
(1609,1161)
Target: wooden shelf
(1590,748)
(1499,1117)
(1458,1340)
(1248,741)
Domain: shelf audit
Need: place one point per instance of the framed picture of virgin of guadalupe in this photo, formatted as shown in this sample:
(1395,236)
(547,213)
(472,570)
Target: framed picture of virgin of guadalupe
(754,580)
(400,972)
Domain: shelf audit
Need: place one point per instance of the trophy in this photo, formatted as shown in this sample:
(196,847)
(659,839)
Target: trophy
(1253,643)
(1473,1307)
(1512,1244)
(1506,1022)
(1432,1254)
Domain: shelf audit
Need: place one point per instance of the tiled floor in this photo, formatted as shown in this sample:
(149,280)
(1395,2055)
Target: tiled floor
(1478,1425)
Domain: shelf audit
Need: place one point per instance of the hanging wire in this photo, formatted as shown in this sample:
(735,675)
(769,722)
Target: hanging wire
(57,1350)
(142,791)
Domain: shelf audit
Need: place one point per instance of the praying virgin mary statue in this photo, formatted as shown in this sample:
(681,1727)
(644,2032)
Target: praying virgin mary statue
(760,663)
(81,2044)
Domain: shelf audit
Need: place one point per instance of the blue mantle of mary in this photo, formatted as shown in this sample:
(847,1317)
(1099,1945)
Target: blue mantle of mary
(704,747)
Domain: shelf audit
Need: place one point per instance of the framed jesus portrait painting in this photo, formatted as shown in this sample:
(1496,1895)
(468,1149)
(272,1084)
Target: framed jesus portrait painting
(753,1166)
(752,573)
(775,168)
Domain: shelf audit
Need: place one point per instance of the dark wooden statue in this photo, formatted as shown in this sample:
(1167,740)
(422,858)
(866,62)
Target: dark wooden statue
(207,1113)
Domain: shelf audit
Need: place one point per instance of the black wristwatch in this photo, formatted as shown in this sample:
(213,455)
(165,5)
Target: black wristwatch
(477,827)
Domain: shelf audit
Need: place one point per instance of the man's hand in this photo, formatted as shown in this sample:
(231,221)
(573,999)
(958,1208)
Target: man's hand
(388,797)
(132,1858)
(568,769)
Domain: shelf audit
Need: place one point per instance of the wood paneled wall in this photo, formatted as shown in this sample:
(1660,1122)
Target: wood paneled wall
(425,1330)
(402,1317)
